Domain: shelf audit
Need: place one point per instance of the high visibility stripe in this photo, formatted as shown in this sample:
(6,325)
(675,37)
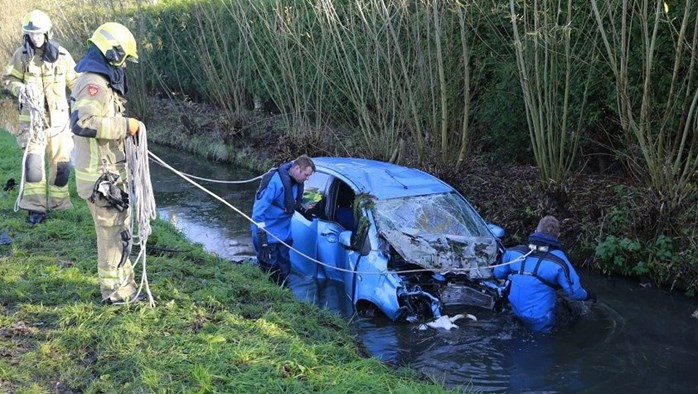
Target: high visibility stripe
(105,129)
(111,278)
(14,72)
(109,128)
(58,192)
(94,163)
(85,103)
(87,176)
(35,188)
(25,118)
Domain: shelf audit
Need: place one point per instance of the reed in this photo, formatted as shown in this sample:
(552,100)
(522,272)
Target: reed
(553,50)
(657,106)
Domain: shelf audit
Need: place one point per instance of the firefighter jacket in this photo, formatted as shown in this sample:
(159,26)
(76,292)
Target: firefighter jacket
(100,130)
(30,67)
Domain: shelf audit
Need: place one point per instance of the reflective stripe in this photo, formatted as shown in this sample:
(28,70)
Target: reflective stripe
(91,177)
(105,129)
(87,176)
(14,72)
(58,191)
(35,188)
(111,279)
(94,163)
(82,104)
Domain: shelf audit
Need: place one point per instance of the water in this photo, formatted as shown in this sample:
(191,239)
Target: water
(634,340)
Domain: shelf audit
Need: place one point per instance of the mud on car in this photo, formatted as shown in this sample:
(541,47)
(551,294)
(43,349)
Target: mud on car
(401,241)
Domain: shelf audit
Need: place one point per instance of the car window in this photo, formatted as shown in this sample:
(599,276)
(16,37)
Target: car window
(314,190)
(344,205)
(443,213)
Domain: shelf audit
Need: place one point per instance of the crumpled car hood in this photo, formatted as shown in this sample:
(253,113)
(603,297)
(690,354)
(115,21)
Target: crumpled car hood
(445,252)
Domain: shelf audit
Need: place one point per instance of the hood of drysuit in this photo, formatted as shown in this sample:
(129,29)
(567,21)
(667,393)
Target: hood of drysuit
(95,62)
(50,49)
(544,239)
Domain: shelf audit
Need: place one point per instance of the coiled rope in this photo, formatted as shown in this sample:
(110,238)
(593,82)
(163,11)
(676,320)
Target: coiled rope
(31,98)
(142,201)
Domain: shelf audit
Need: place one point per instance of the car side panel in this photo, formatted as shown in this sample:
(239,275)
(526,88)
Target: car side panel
(373,284)
(330,251)
(305,241)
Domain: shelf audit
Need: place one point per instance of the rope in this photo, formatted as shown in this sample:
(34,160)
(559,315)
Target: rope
(142,200)
(184,176)
(220,181)
(31,97)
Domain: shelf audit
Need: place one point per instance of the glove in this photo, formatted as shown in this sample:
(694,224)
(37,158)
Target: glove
(21,91)
(264,248)
(132,126)
(591,297)
(262,237)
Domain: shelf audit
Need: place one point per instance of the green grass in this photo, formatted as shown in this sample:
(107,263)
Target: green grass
(217,326)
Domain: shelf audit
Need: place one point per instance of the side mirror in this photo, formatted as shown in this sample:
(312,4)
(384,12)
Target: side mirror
(345,239)
(497,231)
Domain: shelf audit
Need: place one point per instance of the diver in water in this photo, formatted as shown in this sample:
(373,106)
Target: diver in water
(536,271)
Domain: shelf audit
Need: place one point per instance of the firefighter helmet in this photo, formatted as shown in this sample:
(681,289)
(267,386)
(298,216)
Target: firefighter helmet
(37,22)
(116,43)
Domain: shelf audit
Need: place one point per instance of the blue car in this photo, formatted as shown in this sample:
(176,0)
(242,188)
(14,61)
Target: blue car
(401,241)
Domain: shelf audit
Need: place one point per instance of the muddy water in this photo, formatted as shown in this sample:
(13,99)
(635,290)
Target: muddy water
(634,340)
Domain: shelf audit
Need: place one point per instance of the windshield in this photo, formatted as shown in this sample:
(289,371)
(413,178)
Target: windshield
(444,213)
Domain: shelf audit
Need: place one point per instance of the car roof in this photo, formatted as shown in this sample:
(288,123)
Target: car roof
(380,179)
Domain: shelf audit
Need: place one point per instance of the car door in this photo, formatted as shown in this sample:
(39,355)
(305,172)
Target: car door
(329,250)
(304,225)
(304,245)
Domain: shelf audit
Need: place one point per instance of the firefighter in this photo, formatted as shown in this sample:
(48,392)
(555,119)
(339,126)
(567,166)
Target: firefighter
(100,128)
(38,74)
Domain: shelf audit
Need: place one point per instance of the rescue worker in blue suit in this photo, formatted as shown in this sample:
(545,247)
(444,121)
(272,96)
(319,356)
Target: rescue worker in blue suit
(536,272)
(279,193)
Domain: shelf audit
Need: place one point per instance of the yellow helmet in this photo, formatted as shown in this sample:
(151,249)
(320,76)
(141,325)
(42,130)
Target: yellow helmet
(116,43)
(37,22)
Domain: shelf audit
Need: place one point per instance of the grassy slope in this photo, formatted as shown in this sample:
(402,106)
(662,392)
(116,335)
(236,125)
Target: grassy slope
(217,327)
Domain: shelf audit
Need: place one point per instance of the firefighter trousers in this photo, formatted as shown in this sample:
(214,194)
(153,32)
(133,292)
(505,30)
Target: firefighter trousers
(38,194)
(116,283)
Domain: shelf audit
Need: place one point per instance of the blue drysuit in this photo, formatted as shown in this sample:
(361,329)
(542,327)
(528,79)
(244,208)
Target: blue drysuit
(536,279)
(273,205)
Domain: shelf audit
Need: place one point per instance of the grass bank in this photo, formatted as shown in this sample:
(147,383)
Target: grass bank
(217,327)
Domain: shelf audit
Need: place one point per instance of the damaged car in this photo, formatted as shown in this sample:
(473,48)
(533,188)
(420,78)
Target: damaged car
(401,241)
